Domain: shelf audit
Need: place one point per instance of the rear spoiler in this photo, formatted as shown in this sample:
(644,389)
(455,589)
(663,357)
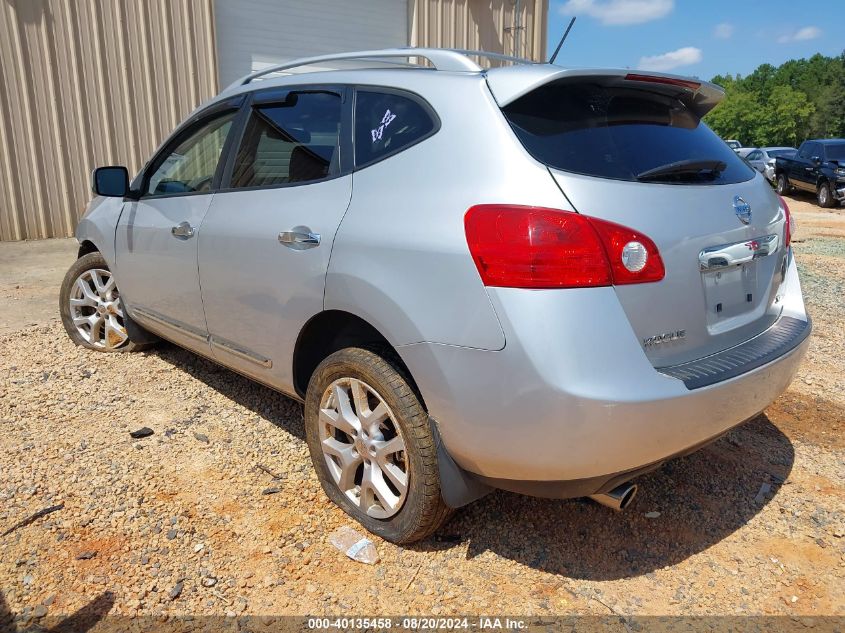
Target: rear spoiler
(512,82)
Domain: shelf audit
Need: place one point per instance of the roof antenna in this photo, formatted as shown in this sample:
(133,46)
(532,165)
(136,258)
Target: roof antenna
(560,43)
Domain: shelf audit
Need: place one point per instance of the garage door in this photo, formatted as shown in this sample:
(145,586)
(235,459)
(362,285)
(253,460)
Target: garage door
(252,34)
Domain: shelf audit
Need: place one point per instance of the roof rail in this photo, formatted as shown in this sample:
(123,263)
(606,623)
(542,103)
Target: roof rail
(497,56)
(454,60)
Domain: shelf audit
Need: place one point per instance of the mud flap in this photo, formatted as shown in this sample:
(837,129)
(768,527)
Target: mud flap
(136,333)
(457,486)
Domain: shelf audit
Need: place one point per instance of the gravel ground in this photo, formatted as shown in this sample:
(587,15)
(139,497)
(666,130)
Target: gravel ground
(185,521)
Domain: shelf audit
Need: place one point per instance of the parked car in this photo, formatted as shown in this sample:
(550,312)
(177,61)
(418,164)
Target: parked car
(742,152)
(819,167)
(544,280)
(763,159)
(733,144)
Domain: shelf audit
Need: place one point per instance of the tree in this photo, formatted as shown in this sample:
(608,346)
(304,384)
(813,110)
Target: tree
(800,99)
(829,119)
(737,117)
(786,118)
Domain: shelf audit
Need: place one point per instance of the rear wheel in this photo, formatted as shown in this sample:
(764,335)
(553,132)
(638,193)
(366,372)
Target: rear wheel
(824,196)
(372,446)
(783,186)
(91,309)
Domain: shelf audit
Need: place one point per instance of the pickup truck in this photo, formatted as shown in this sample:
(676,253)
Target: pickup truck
(819,166)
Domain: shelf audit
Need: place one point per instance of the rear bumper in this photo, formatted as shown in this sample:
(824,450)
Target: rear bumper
(572,408)
(781,338)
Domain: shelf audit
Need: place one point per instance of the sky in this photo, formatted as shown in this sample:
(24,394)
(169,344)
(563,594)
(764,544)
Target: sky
(701,38)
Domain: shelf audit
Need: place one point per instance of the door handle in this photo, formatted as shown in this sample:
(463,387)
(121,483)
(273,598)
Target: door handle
(299,238)
(183,230)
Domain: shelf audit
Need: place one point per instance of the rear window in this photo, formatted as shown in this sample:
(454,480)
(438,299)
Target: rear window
(620,133)
(291,142)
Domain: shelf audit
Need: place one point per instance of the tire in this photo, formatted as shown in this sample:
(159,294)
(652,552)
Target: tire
(101,299)
(823,195)
(392,516)
(783,187)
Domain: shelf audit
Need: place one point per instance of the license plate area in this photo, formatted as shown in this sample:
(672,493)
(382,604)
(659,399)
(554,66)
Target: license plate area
(737,278)
(731,292)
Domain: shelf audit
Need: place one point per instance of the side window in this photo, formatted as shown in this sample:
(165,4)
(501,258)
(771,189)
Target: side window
(806,150)
(755,155)
(386,123)
(297,140)
(189,167)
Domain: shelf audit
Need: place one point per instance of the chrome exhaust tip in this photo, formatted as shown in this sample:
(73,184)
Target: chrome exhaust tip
(617,499)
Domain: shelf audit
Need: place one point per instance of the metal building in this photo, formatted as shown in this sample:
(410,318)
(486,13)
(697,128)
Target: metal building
(96,82)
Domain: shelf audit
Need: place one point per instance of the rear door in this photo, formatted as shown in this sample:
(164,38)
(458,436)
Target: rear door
(266,240)
(718,225)
(755,158)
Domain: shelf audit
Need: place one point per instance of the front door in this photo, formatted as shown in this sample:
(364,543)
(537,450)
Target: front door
(266,240)
(801,174)
(156,240)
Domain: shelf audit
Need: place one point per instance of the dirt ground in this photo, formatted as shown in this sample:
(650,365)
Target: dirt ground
(185,522)
(30,274)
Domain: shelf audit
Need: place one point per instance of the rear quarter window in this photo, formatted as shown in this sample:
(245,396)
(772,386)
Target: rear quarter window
(618,132)
(387,122)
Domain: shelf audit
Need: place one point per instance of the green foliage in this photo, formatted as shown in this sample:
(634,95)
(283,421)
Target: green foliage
(801,99)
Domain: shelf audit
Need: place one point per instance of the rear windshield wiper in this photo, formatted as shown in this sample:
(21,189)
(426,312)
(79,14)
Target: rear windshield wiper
(683,168)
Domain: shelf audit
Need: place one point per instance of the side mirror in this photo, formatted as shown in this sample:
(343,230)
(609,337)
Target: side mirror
(111,181)
(816,160)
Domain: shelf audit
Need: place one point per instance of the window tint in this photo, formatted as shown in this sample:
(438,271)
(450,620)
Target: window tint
(386,123)
(755,155)
(806,150)
(619,132)
(774,153)
(190,166)
(835,152)
(294,141)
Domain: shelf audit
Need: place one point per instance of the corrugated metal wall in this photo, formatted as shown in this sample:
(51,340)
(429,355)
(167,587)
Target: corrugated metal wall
(97,82)
(486,25)
(86,83)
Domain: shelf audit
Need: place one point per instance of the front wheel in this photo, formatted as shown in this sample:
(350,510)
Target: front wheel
(372,446)
(91,310)
(783,187)
(824,196)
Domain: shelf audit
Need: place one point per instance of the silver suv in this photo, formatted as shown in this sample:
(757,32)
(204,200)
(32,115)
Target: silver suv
(532,278)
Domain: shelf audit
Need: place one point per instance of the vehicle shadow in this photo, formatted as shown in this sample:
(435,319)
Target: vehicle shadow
(267,403)
(85,619)
(701,498)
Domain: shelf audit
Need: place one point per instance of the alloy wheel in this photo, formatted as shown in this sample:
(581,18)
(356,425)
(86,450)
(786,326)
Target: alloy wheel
(95,309)
(363,447)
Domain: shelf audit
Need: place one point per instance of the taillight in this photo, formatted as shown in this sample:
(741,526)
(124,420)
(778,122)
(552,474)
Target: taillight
(788,224)
(669,81)
(517,246)
(634,258)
